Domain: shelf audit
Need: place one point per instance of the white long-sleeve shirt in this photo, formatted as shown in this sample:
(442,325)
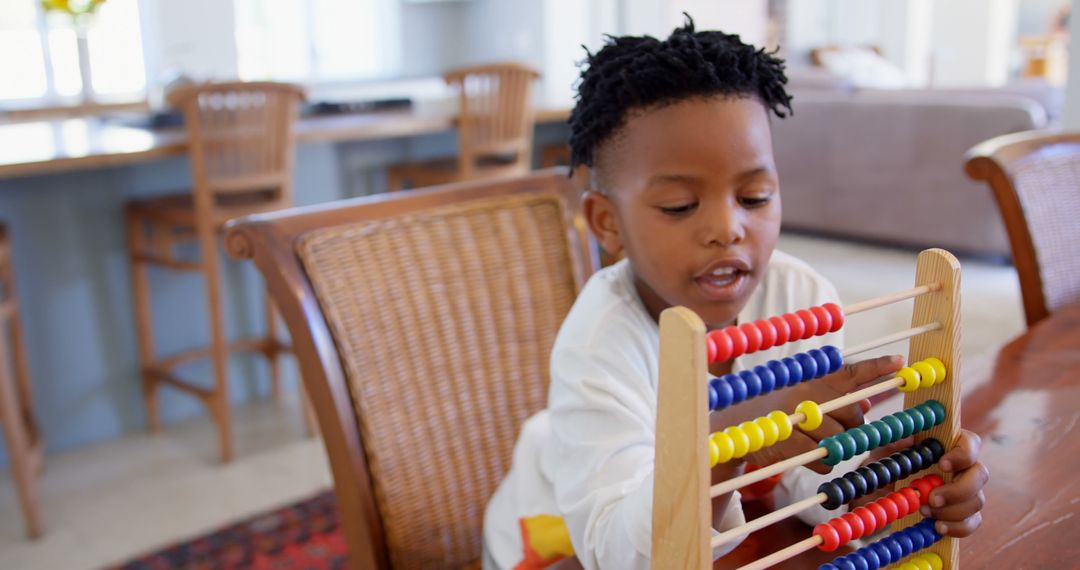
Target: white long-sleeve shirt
(589,456)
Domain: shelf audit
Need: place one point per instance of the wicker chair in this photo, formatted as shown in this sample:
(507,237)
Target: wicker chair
(422,322)
(495,129)
(1035,177)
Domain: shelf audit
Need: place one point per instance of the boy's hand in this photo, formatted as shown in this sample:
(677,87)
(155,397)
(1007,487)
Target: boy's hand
(848,379)
(957,505)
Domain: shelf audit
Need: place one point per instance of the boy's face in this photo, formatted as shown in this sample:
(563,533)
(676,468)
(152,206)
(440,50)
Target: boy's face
(689,193)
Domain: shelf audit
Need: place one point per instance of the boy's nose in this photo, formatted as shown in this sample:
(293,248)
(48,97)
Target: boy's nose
(724,227)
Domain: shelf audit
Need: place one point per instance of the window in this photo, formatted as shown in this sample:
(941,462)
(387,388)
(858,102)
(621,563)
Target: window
(47,70)
(318,40)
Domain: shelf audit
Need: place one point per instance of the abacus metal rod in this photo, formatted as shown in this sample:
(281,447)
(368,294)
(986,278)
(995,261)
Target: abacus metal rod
(782,555)
(895,337)
(890,299)
(766,520)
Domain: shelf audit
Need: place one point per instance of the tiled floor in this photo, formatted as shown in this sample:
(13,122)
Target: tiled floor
(112,501)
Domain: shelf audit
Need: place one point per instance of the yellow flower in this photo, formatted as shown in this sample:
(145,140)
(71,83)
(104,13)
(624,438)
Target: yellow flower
(74,8)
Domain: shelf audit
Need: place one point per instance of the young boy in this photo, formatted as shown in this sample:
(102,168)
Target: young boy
(683,184)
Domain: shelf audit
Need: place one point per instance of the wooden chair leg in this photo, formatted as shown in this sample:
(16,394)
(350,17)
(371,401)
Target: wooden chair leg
(20,435)
(311,424)
(219,349)
(273,348)
(393,179)
(140,287)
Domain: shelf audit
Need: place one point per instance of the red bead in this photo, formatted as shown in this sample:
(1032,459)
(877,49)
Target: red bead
(912,498)
(842,528)
(869,521)
(796,326)
(710,349)
(768,334)
(923,487)
(934,480)
(881,517)
(809,323)
(903,507)
(830,539)
(856,524)
(837,315)
(892,512)
(783,329)
(722,342)
(738,341)
(824,320)
(753,337)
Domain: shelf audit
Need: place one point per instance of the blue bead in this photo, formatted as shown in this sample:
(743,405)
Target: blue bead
(895,550)
(738,388)
(845,563)
(821,360)
(768,379)
(871,558)
(795,371)
(918,541)
(836,360)
(713,398)
(724,395)
(857,561)
(883,552)
(809,366)
(906,546)
(780,372)
(753,383)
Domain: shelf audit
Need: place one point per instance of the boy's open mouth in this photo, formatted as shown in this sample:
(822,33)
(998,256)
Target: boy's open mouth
(723,281)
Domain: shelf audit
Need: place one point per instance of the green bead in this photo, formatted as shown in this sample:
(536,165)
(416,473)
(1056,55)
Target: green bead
(884,432)
(907,424)
(873,436)
(927,414)
(897,428)
(862,442)
(939,411)
(836,451)
(848,443)
(917,417)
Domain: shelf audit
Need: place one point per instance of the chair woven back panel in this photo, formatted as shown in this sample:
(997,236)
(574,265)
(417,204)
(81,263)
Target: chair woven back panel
(444,321)
(1048,186)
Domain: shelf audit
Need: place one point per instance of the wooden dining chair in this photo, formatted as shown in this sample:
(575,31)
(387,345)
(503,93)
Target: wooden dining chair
(494,125)
(1035,178)
(21,434)
(241,149)
(422,322)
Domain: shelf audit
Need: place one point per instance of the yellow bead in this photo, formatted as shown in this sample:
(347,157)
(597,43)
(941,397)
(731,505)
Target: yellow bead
(939,369)
(770,429)
(907,566)
(927,372)
(812,413)
(754,434)
(920,563)
(935,561)
(725,447)
(911,378)
(783,423)
(714,453)
(742,441)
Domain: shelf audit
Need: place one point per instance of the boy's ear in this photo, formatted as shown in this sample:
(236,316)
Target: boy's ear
(600,214)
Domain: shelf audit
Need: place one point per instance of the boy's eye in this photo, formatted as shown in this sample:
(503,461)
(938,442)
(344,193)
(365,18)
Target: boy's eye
(678,209)
(754,201)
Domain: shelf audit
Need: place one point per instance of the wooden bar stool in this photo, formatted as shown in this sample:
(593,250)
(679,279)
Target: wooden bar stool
(21,432)
(495,128)
(241,146)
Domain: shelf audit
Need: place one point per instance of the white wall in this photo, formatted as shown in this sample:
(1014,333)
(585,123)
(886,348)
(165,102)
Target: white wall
(748,18)
(972,42)
(1072,89)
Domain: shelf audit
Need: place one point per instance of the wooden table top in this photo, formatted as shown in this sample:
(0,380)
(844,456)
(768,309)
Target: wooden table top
(1024,401)
(43,147)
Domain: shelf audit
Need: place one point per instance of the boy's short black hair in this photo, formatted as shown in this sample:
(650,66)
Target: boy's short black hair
(632,72)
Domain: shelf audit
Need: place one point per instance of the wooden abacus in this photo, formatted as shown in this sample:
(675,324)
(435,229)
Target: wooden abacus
(685,451)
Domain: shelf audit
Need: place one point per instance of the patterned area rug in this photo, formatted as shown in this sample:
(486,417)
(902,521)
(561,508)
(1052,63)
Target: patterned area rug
(303,536)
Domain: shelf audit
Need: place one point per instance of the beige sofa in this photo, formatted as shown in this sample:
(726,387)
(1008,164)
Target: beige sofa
(887,166)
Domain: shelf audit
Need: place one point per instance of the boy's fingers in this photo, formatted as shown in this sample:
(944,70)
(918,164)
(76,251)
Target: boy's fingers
(963,455)
(964,487)
(960,529)
(848,416)
(957,512)
(856,375)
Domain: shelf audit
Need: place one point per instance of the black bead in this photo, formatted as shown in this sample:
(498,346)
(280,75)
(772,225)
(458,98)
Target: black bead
(858,482)
(936,447)
(903,462)
(847,489)
(893,468)
(927,456)
(915,459)
(870,477)
(834,497)
(882,473)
